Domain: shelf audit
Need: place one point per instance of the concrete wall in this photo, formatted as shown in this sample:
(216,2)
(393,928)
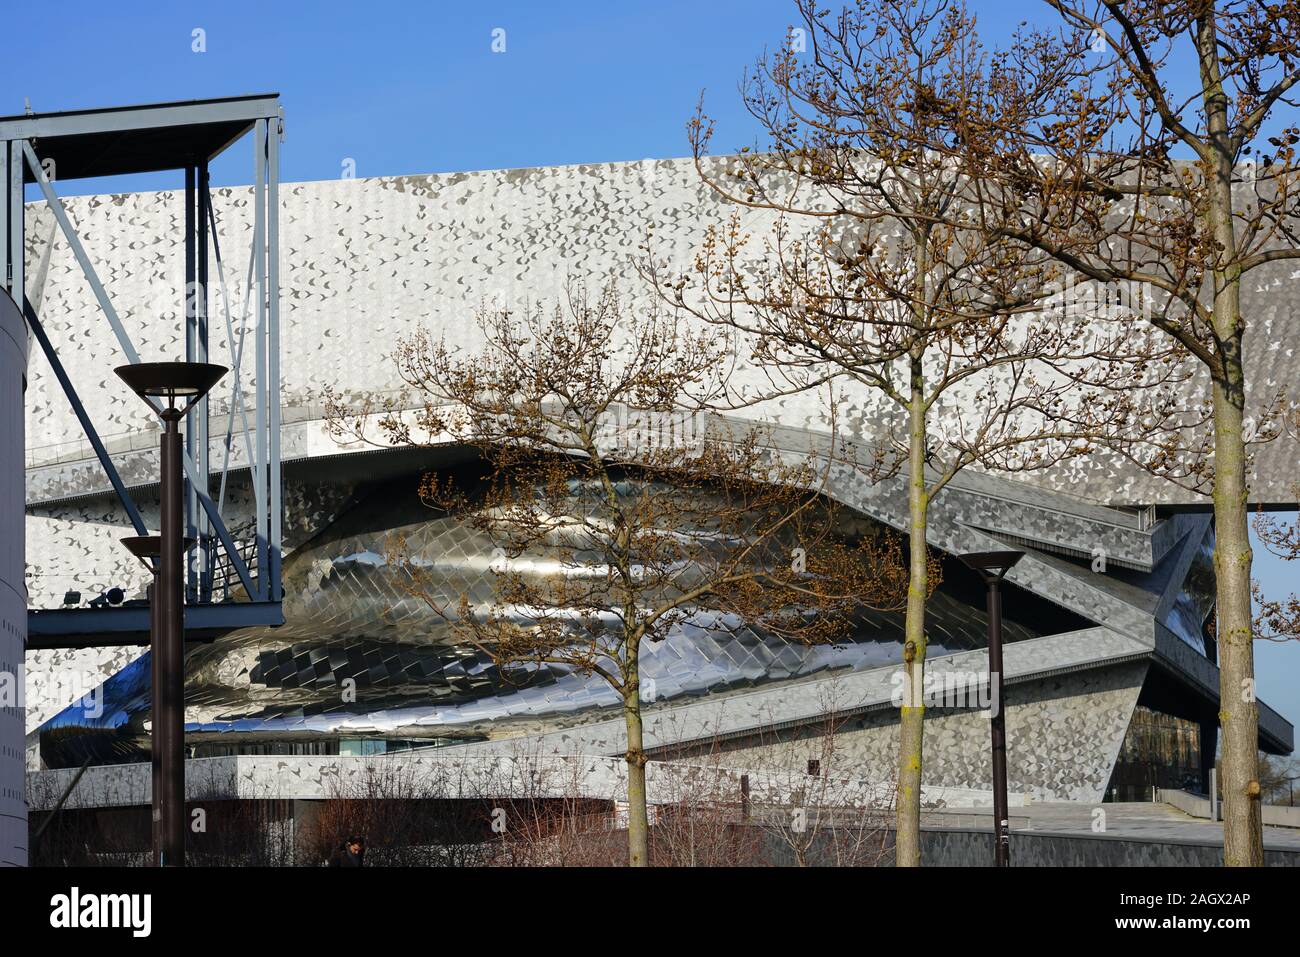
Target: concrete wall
(13,593)
(964,848)
(441,774)
(1063,733)
(1274,815)
(1185,801)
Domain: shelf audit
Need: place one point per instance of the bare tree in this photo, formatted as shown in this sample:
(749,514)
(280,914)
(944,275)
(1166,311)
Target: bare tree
(782,796)
(618,517)
(1277,619)
(823,814)
(1182,180)
(887,268)
(700,817)
(1278,776)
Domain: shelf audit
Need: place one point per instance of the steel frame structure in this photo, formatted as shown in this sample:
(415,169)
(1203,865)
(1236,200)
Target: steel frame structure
(185,136)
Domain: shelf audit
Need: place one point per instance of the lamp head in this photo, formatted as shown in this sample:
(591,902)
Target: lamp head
(992,565)
(176,382)
(148,548)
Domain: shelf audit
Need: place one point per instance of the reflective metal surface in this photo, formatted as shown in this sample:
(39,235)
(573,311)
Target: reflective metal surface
(350,617)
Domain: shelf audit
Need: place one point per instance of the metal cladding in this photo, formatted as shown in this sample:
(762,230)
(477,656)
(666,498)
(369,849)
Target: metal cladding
(353,623)
(13,592)
(1106,612)
(1072,684)
(366,261)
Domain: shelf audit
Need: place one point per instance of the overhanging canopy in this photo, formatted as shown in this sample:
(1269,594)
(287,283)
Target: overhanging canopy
(138,139)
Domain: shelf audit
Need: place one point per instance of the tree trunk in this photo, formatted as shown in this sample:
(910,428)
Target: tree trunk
(638,823)
(912,715)
(1243,836)
(1243,842)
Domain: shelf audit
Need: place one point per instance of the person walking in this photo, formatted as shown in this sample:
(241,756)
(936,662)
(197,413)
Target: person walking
(351,853)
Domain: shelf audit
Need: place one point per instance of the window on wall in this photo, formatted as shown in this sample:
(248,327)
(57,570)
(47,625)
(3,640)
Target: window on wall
(362,747)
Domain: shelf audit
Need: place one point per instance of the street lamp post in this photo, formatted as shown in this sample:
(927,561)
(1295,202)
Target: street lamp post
(993,567)
(170,388)
(148,548)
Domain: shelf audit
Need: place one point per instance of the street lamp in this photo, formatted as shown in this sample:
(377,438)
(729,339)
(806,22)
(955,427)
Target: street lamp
(993,567)
(148,548)
(170,388)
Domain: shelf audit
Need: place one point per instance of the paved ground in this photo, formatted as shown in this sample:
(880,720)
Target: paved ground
(1138,821)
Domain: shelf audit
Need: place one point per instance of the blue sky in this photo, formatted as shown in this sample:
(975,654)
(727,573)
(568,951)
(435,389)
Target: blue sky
(415,87)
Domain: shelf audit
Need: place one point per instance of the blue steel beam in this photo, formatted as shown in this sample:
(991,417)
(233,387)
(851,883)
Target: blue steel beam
(260,472)
(79,410)
(273,353)
(129,625)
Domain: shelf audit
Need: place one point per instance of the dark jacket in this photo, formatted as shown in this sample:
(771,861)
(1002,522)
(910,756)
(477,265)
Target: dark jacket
(343,857)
